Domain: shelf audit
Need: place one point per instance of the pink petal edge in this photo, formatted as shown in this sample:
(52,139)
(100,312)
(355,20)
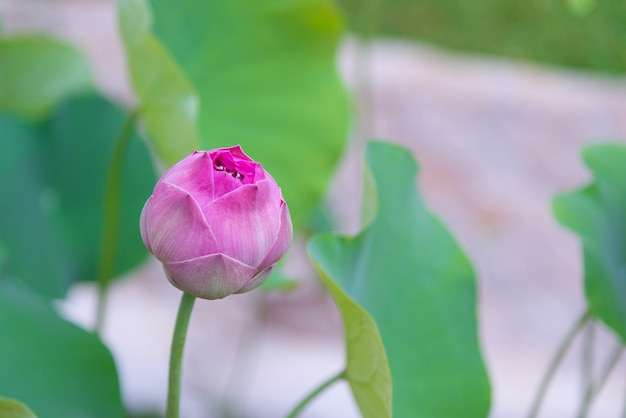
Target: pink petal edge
(257,280)
(209,277)
(143,224)
(283,239)
(245,222)
(176,227)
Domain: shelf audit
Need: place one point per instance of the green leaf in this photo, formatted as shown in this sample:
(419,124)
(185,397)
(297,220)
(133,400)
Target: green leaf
(367,370)
(57,368)
(37,72)
(597,213)
(10,408)
(168,103)
(410,275)
(265,74)
(53,177)
(581,8)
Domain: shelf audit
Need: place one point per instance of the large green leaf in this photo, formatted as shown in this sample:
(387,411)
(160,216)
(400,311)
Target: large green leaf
(167,102)
(417,284)
(597,213)
(52,176)
(37,72)
(265,74)
(367,370)
(10,408)
(57,368)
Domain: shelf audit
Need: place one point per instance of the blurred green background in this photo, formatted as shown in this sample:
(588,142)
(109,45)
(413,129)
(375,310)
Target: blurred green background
(584,34)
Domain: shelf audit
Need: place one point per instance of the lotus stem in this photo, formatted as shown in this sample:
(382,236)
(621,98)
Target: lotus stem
(556,360)
(593,389)
(110,225)
(176,354)
(325,385)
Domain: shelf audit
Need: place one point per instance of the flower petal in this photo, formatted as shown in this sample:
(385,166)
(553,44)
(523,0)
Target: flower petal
(210,277)
(245,221)
(235,162)
(143,224)
(225,181)
(175,225)
(194,174)
(283,238)
(257,280)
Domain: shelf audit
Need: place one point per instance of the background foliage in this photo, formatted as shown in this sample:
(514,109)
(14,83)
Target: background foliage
(54,194)
(264,73)
(547,31)
(597,214)
(405,269)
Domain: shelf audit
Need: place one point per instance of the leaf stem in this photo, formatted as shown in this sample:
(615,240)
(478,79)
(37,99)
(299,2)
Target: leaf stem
(304,402)
(593,389)
(110,225)
(364,80)
(176,354)
(556,360)
(624,407)
(587,357)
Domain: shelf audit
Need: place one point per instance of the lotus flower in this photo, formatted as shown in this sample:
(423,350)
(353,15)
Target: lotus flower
(218,223)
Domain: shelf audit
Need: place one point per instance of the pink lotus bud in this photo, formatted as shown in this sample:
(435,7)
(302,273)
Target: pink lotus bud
(218,223)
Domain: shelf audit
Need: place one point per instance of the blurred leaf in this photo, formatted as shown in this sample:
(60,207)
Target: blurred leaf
(265,74)
(10,408)
(57,368)
(581,7)
(53,176)
(543,31)
(321,220)
(597,213)
(417,284)
(29,234)
(167,102)
(37,72)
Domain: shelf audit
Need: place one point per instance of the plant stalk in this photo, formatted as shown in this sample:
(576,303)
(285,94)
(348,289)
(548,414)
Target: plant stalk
(594,388)
(176,354)
(556,360)
(364,79)
(624,407)
(587,357)
(325,385)
(111,216)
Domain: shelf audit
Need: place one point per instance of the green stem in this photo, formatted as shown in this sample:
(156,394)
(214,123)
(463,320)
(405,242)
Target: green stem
(304,402)
(371,13)
(624,407)
(593,389)
(587,357)
(176,354)
(364,79)
(556,360)
(110,226)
